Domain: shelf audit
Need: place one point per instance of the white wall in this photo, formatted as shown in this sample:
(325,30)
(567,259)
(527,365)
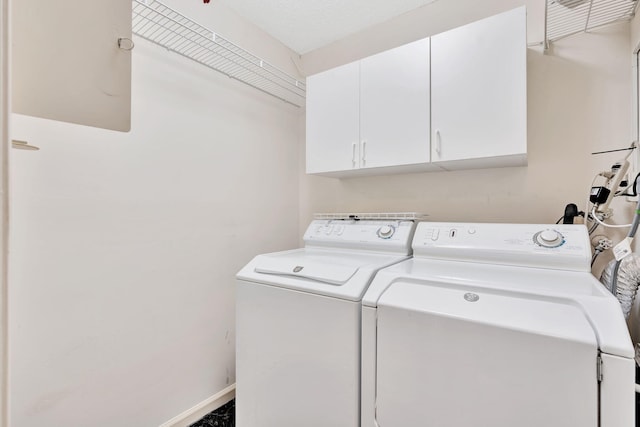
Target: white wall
(124,246)
(579,101)
(4,206)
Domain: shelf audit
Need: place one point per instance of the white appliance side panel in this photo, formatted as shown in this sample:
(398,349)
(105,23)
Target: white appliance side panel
(617,391)
(368,373)
(437,368)
(298,359)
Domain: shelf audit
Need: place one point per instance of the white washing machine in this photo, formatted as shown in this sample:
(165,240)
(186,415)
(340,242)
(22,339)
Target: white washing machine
(497,325)
(298,323)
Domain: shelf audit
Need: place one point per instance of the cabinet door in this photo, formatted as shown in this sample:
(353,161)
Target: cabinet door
(394,106)
(66,63)
(332,119)
(478,89)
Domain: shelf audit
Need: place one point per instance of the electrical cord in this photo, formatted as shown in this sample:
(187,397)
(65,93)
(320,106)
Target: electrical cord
(588,205)
(608,175)
(602,245)
(633,187)
(595,217)
(570,213)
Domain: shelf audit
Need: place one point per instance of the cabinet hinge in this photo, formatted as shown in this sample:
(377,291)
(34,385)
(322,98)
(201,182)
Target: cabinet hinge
(599,368)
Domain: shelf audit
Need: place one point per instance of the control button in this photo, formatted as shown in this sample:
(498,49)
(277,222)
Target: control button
(548,238)
(328,229)
(549,235)
(471,231)
(386,231)
(435,234)
(339,229)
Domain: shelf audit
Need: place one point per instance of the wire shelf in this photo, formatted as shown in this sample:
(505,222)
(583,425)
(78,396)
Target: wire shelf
(409,216)
(568,17)
(162,25)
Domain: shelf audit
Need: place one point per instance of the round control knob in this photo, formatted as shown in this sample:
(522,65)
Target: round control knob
(549,235)
(386,231)
(548,238)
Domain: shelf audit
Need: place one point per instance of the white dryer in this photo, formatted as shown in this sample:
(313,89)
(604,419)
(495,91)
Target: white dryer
(298,323)
(497,325)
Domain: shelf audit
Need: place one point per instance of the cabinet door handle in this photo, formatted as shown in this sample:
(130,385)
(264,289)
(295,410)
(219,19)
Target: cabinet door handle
(353,155)
(364,153)
(438,144)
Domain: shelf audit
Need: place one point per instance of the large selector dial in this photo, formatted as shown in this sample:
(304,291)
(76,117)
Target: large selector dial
(386,231)
(548,238)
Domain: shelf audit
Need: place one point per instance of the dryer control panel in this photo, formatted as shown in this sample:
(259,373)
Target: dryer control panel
(381,235)
(557,246)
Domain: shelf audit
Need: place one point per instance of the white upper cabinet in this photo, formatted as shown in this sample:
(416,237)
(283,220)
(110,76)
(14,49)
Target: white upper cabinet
(333,99)
(66,62)
(479,93)
(457,100)
(369,115)
(394,107)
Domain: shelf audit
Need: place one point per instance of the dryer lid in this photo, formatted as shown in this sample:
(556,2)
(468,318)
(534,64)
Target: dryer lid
(527,313)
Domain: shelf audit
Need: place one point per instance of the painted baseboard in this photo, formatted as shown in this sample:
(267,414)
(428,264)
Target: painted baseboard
(192,415)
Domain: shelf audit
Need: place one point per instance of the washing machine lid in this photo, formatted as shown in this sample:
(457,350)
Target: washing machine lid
(323,272)
(337,273)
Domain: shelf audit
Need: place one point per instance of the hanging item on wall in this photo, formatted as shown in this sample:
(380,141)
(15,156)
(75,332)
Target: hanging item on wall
(205,1)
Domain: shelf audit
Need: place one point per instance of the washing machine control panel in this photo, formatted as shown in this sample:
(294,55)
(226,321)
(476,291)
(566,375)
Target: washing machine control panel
(557,246)
(386,235)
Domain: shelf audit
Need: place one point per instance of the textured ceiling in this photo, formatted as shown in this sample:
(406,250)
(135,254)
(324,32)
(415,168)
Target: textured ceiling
(305,25)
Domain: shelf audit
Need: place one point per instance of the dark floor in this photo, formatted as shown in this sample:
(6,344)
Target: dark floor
(224,416)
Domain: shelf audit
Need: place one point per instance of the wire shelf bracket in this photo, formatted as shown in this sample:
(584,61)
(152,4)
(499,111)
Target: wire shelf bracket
(159,24)
(564,18)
